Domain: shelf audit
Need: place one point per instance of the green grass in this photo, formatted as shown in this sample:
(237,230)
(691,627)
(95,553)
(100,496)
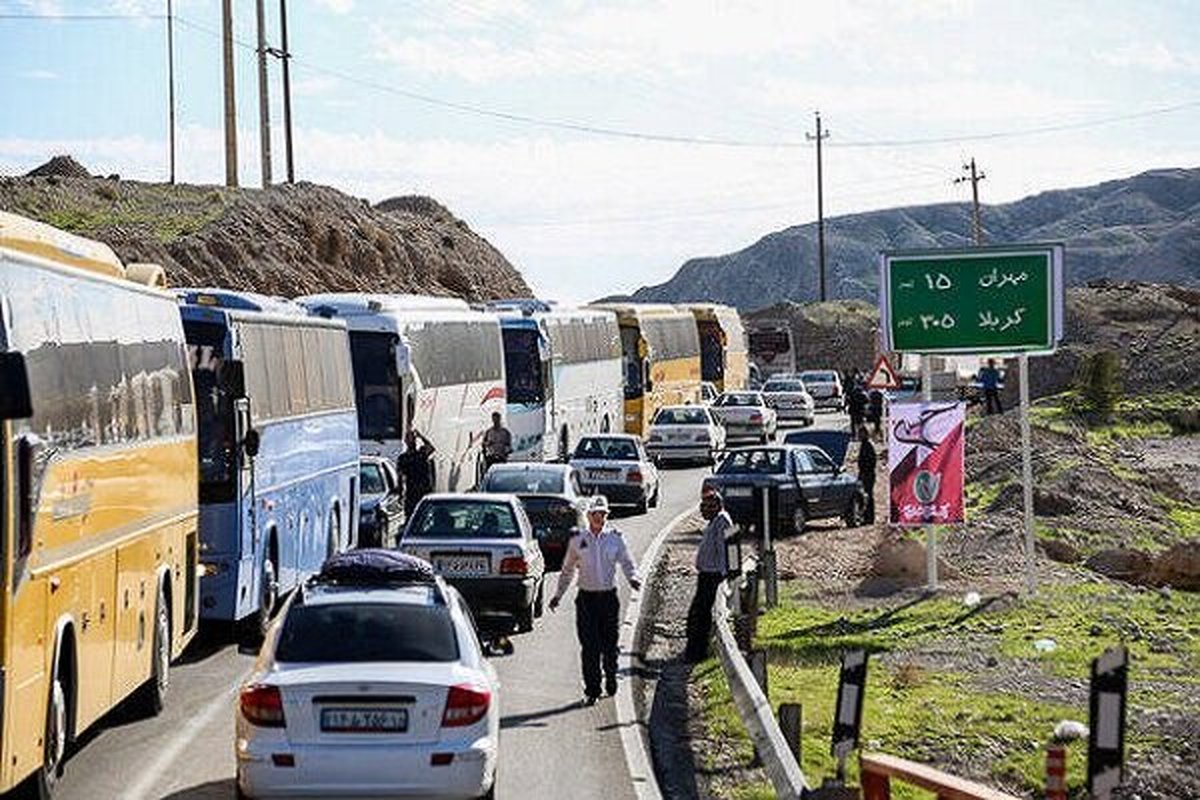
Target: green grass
(940,716)
(167,222)
(980,495)
(1186,519)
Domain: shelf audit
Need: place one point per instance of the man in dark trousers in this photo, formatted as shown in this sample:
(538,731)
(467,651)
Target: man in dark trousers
(866,471)
(415,466)
(595,554)
(856,405)
(989,380)
(711,567)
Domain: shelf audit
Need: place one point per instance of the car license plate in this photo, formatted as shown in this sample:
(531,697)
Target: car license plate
(739,491)
(364,720)
(461,566)
(601,474)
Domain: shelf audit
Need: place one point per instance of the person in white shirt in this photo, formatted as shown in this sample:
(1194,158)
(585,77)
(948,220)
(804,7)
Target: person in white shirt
(711,568)
(595,554)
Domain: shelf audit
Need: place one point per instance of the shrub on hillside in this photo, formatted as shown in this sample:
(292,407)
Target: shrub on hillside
(1098,387)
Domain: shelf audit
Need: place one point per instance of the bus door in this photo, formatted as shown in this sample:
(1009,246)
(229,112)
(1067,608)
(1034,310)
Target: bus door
(246,449)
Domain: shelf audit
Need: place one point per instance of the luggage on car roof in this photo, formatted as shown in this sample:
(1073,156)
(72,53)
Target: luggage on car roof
(374,566)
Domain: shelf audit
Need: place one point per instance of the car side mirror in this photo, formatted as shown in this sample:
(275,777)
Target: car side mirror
(16,401)
(250,443)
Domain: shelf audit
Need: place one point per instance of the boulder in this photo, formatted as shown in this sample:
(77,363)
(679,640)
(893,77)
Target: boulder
(1060,551)
(904,560)
(1048,503)
(1122,564)
(1178,567)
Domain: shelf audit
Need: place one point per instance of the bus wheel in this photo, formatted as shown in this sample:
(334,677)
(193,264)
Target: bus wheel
(269,596)
(55,741)
(154,692)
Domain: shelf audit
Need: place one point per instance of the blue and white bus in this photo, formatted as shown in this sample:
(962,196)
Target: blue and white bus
(563,372)
(278,447)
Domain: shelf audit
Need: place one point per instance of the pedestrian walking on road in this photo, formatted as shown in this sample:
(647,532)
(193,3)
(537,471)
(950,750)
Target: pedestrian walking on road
(867,461)
(856,405)
(497,442)
(711,568)
(989,380)
(595,554)
(415,466)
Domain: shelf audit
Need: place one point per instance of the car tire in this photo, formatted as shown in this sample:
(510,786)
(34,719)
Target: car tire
(539,600)
(643,505)
(54,749)
(855,513)
(654,499)
(799,519)
(268,601)
(153,694)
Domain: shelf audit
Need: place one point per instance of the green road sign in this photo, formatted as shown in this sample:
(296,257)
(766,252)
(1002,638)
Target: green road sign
(1004,299)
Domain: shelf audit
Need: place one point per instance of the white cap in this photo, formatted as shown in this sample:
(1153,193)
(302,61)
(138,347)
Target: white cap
(598,505)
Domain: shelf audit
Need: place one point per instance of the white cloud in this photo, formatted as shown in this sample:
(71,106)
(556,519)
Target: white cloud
(336,6)
(1152,56)
(37,74)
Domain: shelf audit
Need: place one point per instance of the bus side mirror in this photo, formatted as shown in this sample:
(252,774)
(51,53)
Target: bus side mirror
(250,443)
(15,399)
(245,435)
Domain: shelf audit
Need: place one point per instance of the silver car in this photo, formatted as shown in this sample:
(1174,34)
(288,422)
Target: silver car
(825,386)
(745,415)
(484,546)
(790,399)
(617,466)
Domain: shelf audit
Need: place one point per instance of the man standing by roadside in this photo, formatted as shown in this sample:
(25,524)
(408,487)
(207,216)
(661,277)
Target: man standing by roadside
(711,567)
(497,442)
(989,380)
(595,553)
(867,460)
(415,466)
(856,404)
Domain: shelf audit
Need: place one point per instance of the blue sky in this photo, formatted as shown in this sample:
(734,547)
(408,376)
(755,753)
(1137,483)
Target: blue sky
(586,214)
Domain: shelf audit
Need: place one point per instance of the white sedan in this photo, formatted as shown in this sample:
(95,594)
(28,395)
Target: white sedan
(684,433)
(370,686)
(790,399)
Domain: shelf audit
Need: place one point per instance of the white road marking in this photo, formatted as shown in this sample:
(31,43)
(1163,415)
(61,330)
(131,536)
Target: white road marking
(182,741)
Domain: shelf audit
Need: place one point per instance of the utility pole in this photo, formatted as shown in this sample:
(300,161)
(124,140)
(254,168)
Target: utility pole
(820,136)
(974,177)
(171,84)
(231,165)
(264,102)
(285,55)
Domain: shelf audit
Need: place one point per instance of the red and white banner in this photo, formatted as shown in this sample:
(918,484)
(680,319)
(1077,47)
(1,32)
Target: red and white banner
(925,463)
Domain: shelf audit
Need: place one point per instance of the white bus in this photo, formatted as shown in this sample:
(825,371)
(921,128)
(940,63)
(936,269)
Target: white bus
(563,373)
(428,363)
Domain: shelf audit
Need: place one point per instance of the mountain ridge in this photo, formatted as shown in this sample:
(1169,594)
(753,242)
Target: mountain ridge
(1145,228)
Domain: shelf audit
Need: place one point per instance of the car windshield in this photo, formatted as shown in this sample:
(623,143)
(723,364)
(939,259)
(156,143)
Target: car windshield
(818,377)
(784,386)
(370,478)
(681,416)
(524,481)
(464,518)
(753,462)
(607,450)
(348,633)
(738,400)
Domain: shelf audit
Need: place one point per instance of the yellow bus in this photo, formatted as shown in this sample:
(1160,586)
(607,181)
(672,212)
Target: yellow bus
(660,353)
(98,493)
(724,361)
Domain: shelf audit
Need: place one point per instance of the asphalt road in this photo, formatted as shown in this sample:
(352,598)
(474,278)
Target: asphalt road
(550,745)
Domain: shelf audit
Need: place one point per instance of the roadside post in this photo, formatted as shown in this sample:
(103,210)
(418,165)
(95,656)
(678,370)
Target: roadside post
(977,301)
(1106,723)
(847,720)
(790,716)
(770,574)
(931,570)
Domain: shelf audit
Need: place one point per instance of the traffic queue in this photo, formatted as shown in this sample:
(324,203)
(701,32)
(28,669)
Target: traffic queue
(173,456)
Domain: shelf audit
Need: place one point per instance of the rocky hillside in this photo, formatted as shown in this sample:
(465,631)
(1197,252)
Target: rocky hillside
(1144,228)
(286,240)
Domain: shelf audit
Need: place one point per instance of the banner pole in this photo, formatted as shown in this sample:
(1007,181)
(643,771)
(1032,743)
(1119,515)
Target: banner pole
(931,569)
(1027,476)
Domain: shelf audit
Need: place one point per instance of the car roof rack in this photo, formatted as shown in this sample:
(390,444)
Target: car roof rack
(377,568)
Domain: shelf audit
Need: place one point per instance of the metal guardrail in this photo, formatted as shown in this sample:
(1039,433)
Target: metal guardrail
(754,709)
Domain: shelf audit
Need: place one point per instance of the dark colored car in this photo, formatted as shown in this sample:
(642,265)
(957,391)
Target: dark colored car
(834,443)
(381,503)
(553,500)
(805,485)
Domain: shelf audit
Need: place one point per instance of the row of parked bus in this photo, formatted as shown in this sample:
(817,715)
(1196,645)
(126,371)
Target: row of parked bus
(172,456)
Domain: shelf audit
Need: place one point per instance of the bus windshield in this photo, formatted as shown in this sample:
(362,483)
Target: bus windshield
(376,388)
(214,405)
(523,366)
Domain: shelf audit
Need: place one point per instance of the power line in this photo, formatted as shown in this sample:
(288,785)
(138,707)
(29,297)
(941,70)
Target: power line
(81,17)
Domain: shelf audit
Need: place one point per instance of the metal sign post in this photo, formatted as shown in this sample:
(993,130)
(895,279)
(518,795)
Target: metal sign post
(1001,299)
(771,576)
(931,568)
(1106,723)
